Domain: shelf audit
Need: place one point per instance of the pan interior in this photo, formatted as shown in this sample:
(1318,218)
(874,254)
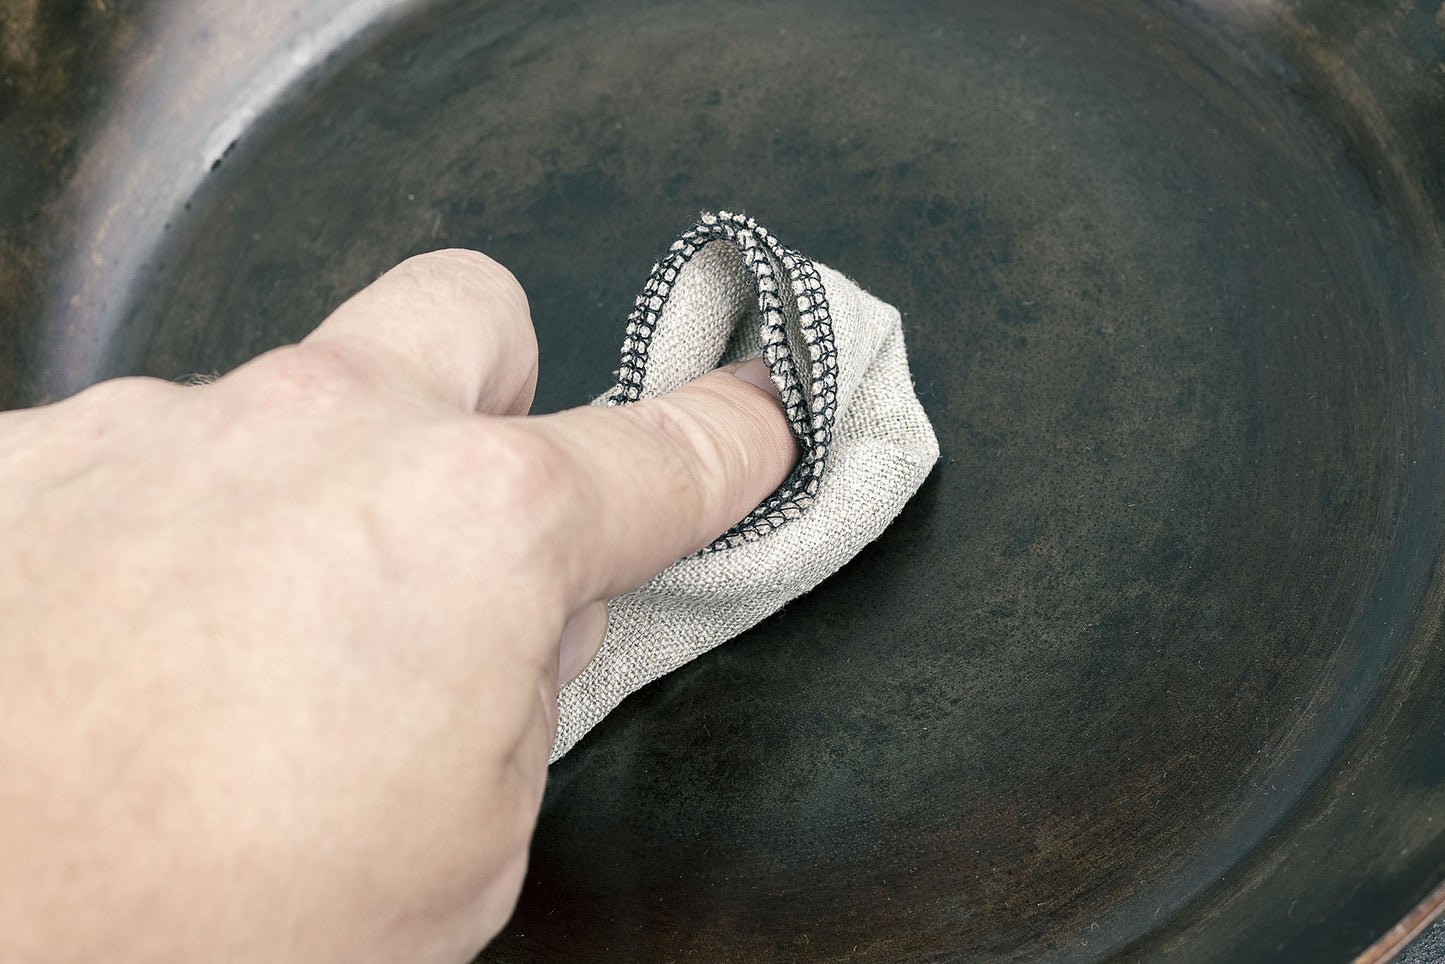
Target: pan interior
(1173,347)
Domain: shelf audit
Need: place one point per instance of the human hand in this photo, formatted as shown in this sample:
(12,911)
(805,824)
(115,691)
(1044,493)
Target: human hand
(281,652)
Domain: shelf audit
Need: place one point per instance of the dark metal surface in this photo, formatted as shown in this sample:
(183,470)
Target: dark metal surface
(1152,664)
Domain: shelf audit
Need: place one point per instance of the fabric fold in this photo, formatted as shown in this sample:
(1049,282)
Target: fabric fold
(728,290)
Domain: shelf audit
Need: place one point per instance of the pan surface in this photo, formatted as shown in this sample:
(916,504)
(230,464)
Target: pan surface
(1151,666)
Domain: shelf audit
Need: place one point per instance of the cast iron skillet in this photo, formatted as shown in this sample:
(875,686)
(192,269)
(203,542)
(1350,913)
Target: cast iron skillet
(1151,667)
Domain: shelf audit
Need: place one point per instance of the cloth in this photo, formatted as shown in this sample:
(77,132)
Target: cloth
(727,290)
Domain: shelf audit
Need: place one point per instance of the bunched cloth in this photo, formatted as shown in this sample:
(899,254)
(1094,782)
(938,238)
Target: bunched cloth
(728,290)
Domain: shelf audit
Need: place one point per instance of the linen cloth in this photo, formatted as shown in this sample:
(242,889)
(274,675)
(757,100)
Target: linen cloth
(728,290)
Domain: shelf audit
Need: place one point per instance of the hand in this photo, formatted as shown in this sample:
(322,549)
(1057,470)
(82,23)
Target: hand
(281,652)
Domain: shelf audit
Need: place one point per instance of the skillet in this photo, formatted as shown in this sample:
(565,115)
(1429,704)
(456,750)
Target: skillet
(1150,668)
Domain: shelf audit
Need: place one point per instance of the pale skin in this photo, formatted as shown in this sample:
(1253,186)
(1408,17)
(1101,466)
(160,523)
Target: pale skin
(281,652)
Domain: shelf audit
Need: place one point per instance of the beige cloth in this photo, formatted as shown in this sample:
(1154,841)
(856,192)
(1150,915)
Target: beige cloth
(727,290)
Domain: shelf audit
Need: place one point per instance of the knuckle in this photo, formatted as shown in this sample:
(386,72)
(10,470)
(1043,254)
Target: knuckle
(121,391)
(105,406)
(529,468)
(520,475)
(299,376)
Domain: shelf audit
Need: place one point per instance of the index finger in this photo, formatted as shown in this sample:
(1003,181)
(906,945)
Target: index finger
(664,477)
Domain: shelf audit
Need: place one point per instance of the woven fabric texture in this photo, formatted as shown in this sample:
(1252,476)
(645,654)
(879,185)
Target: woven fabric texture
(728,290)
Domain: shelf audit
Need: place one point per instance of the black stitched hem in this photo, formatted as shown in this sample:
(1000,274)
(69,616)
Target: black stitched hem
(810,403)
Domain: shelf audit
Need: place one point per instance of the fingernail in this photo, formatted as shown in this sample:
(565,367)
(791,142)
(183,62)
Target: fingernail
(581,639)
(754,371)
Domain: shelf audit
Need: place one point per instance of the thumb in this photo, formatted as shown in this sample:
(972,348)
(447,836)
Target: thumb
(663,477)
